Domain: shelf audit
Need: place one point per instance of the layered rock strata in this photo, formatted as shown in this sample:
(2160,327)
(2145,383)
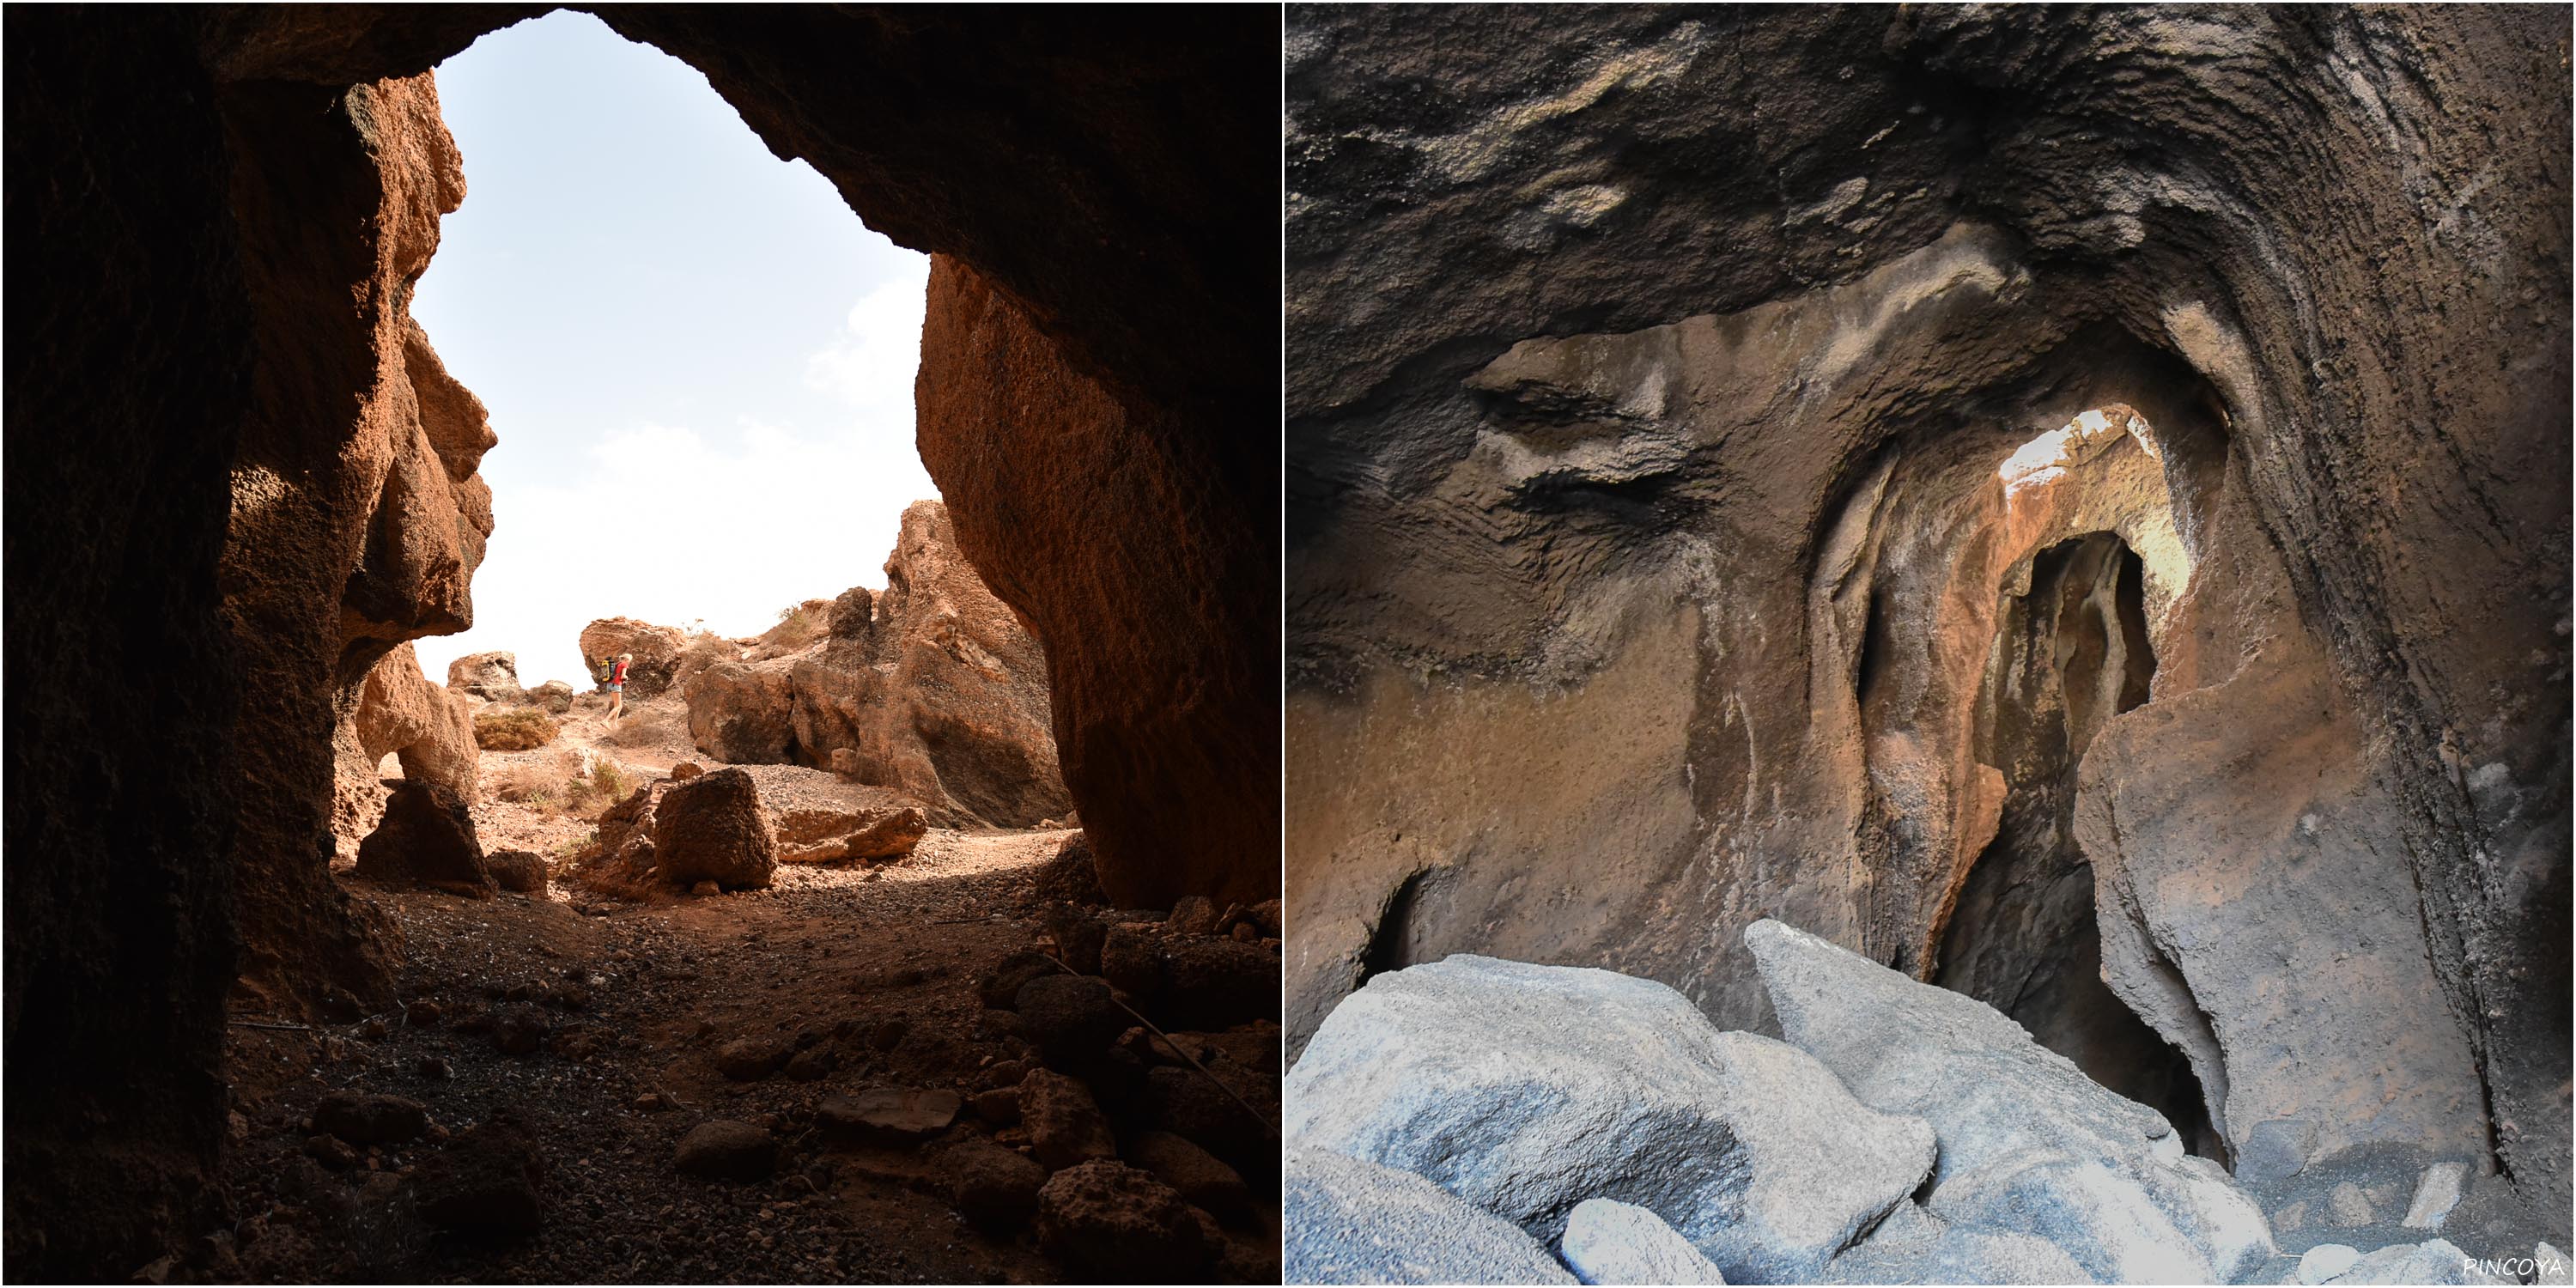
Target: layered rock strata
(1993,492)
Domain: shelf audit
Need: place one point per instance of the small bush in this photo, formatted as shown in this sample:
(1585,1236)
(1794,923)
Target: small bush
(513,729)
(608,779)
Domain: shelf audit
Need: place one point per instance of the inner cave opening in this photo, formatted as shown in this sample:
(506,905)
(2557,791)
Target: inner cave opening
(2070,653)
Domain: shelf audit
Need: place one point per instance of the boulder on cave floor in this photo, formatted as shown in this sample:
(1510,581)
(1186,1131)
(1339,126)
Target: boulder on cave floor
(487,1183)
(1526,1090)
(2028,1144)
(1065,1126)
(426,838)
(711,828)
(1346,1221)
(1609,1242)
(517,871)
(818,817)
(1104,1218)
(888,1116)
(725,1150)
(1912,1246)
(993,1187)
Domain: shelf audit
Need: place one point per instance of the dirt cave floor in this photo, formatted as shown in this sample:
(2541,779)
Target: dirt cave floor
(593,1027)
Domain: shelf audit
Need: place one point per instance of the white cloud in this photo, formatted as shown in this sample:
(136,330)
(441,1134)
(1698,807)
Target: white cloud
(870,365)
(672,525)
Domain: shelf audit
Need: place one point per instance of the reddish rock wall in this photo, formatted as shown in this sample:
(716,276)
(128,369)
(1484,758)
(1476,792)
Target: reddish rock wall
(357,519)
(1161,713)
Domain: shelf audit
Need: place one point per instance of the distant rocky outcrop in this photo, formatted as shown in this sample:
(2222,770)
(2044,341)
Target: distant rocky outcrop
(493,677)
(931,687)
(656,651)
(396,710)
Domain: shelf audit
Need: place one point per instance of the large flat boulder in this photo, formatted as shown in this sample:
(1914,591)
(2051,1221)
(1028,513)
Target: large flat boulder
(1526,1090)
(1353,1222)
(2029,1145)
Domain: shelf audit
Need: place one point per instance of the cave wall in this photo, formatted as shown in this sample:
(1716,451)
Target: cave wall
(1652,372)
(230,202)
(357,517)
(121,790)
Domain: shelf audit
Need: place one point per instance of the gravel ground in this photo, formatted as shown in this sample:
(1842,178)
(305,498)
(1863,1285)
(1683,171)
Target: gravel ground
(876,966)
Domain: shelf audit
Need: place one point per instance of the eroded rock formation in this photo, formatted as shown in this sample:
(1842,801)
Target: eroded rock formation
(1159,629)
(654,652)
(237,202)
(2001,493)
(933,688)
(357,518)
(395,710)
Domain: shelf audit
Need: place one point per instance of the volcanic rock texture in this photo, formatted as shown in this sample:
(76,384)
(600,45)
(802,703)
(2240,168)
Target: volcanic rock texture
(398,711)
(238,479)
(2072,506)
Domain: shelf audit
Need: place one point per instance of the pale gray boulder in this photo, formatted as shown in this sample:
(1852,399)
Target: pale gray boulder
(2549,1265)
(2324,1262)
(2435,1195)
(1525,1090)
(2028,1144)
(1912,1246)
(1609,1242)
(2435,1261)
(1351,1222)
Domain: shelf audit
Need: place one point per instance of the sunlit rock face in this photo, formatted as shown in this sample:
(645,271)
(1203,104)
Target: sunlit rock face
(357,515)
(2006,494)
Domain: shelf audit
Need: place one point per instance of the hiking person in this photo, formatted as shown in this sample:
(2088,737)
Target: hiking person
(617,686)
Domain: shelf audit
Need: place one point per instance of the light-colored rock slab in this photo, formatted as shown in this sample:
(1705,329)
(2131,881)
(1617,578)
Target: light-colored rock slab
(2029,1145)
(2434,1261)
(1527,1089)
(2325,1261)
(1609,1242)
(2436,1195)
(1912,1246)
(1351,1222)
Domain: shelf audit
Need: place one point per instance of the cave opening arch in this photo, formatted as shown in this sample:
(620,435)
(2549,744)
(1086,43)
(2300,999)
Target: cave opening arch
(1131,291)
(2070,653)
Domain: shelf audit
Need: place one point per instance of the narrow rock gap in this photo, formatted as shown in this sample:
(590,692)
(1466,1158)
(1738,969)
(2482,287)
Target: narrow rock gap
(1390,945)
(2073,652)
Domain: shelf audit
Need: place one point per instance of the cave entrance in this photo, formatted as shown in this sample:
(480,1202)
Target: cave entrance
(699,361)
(2070,653)
(700,364)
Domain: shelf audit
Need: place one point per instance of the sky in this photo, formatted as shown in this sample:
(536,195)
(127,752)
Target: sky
(698,361)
